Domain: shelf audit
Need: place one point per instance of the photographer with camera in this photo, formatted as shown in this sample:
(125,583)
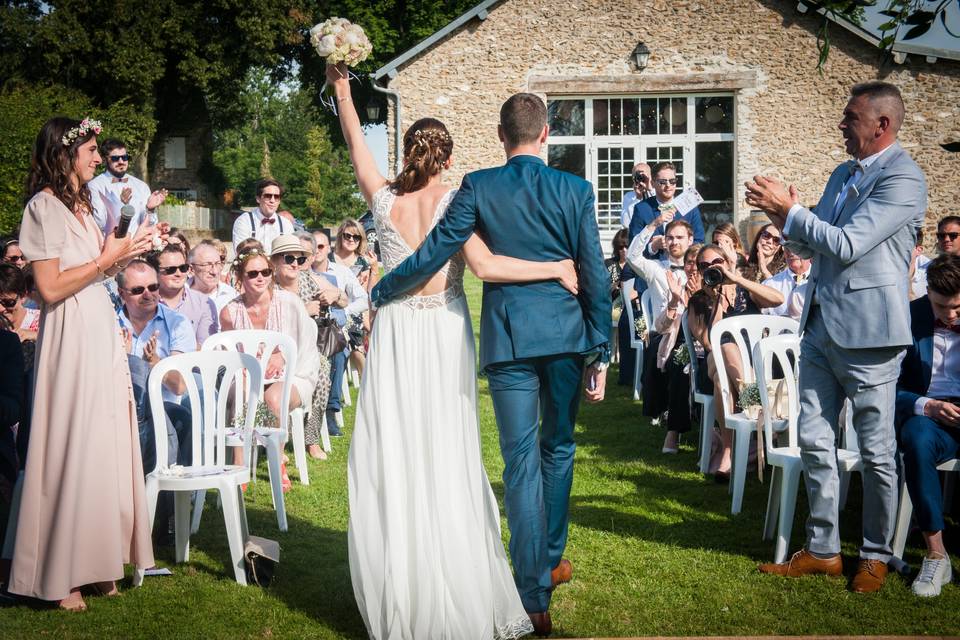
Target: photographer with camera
(728,294)
(642,190)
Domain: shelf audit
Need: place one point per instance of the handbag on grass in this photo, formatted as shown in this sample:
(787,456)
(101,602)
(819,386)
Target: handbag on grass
(330,338)
(260,556)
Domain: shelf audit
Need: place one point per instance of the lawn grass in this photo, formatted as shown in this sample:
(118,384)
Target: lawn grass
(654,548)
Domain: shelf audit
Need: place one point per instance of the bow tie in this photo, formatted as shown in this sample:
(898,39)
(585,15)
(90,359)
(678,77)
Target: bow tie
(949,327)
(268,220)
(676,267)
(799,278)
(116,180)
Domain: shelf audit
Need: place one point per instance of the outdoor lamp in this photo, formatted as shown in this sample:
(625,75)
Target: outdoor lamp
(373,111)
(641,55)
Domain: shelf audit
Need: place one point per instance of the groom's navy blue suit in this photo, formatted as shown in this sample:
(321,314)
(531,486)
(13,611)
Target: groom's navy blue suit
(533,340)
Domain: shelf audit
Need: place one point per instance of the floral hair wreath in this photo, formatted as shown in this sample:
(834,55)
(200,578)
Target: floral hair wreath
(81,131)
(424,138)
(247,254)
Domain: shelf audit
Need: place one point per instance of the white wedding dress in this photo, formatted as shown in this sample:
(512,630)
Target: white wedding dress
(426,556)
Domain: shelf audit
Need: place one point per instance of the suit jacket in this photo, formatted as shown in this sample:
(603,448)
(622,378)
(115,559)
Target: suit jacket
(646,211)
(861,260)
(526,210)
(917,367)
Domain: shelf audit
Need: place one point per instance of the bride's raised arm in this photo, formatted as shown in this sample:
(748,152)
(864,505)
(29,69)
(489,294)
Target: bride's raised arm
(493,268)
(369,178)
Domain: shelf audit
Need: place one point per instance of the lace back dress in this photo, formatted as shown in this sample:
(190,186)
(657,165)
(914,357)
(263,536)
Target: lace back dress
(426,553)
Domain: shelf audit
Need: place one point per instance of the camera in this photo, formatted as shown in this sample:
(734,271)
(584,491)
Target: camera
(713,277)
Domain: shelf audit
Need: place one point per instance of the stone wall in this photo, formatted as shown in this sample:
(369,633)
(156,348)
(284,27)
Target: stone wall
(786,121)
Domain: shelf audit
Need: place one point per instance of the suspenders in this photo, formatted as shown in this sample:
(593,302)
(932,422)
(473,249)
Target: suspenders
(253,223)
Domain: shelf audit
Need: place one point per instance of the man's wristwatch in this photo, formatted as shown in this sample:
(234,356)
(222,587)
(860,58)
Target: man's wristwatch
(601,366)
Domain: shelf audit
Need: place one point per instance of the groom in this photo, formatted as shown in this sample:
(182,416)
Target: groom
(537,341)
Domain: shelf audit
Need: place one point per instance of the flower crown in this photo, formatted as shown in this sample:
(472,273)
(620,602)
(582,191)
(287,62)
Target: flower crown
(246,254)
(424,138)
(81,131)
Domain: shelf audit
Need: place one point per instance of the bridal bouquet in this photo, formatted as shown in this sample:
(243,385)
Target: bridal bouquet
(339,40)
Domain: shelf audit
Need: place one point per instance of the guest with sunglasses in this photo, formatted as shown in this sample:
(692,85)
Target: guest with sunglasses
(114,188)
(642,189)
(199,309)
(13,292)
(12,253)
(766,257)
(660,205)
(263,223)
(351,251)
(948,235)
(261,305)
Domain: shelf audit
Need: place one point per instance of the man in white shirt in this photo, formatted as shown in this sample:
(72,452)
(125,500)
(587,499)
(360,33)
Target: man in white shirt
(918,269)
(114,188)
(641,191)
(263,223)
(205,261)
(928,411)
(792,283)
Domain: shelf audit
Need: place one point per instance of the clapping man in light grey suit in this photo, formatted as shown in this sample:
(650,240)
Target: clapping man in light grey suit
(855,323)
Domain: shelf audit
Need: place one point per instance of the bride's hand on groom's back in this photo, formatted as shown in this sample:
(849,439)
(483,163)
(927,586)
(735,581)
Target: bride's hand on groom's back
(594,383)
(567,276)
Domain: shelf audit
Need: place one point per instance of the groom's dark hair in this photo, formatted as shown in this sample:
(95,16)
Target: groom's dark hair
(943,275)
(522,118)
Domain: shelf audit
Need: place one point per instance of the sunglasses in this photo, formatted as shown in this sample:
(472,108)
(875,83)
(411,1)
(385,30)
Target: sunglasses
(271,196)
(9,303)
(16,258)
(136,291)
(766,235)
(124,158)
(289,258)
(169,271)
(948,235)
(266,273)
(665,181)
(703,266)
(351,236)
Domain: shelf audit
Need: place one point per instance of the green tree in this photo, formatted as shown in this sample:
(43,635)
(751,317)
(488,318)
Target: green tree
(331,190)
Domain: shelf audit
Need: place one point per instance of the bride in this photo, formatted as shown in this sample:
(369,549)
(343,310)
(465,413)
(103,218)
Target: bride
(426,555)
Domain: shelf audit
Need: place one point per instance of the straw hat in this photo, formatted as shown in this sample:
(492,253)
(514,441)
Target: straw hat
(286,243)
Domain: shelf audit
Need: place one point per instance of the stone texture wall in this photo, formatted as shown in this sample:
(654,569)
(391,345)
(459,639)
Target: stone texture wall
(786,124)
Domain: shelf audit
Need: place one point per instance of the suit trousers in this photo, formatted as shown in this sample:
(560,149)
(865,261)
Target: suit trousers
(924,445)
(829,374)
(536,402)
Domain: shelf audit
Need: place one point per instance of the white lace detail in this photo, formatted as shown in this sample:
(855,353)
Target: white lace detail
(394,250)
(516,629)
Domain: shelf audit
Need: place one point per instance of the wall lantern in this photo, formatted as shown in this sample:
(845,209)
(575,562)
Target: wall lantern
(641,55)
(373,111)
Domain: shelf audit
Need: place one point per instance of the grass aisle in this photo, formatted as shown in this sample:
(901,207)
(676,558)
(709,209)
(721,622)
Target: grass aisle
(654,548)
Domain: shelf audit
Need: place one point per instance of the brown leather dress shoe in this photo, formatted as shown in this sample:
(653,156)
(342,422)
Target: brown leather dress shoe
(541,623)
(804,563)
(870,576)
(562,573)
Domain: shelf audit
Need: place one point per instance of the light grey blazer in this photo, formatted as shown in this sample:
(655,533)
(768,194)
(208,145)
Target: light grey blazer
(861,260)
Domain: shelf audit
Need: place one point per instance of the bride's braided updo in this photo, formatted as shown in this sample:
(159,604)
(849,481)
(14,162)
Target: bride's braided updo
(427,147)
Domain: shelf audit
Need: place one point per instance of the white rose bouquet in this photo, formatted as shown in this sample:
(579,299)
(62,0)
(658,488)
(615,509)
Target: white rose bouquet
(339,40)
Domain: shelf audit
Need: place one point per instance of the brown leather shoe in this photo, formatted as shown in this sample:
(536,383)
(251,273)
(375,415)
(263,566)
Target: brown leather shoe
(869,577)
(541,623)
(804,563)
(562,573)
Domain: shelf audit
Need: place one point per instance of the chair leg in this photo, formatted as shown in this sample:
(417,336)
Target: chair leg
(773,503)
(254,459)
(151,493)
(637,370)
(181,518)
(274,454)
(788,505)
(299,446)
(904,515)
(232,506)
(339,418)
(741,453)
(325,434)
(346,393)
(199,497)
(706,432)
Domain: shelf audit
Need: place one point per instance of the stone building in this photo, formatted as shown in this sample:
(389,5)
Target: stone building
(730,89)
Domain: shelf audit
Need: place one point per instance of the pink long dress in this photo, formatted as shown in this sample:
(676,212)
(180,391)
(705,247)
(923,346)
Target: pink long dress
(83,511)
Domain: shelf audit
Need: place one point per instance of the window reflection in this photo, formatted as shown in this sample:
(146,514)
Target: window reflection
(565,117)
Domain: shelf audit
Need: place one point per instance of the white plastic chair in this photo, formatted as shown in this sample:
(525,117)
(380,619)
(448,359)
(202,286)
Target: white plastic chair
(707,411)
(210,426)
(262,344)
(626,287)
(905,510)
(755,326)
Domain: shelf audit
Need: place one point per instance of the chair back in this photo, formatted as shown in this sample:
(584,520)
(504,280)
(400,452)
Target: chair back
(692,350)
(646,307)
(784,350)
(261,344)
(626,287)
(208,376)
(746,331)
